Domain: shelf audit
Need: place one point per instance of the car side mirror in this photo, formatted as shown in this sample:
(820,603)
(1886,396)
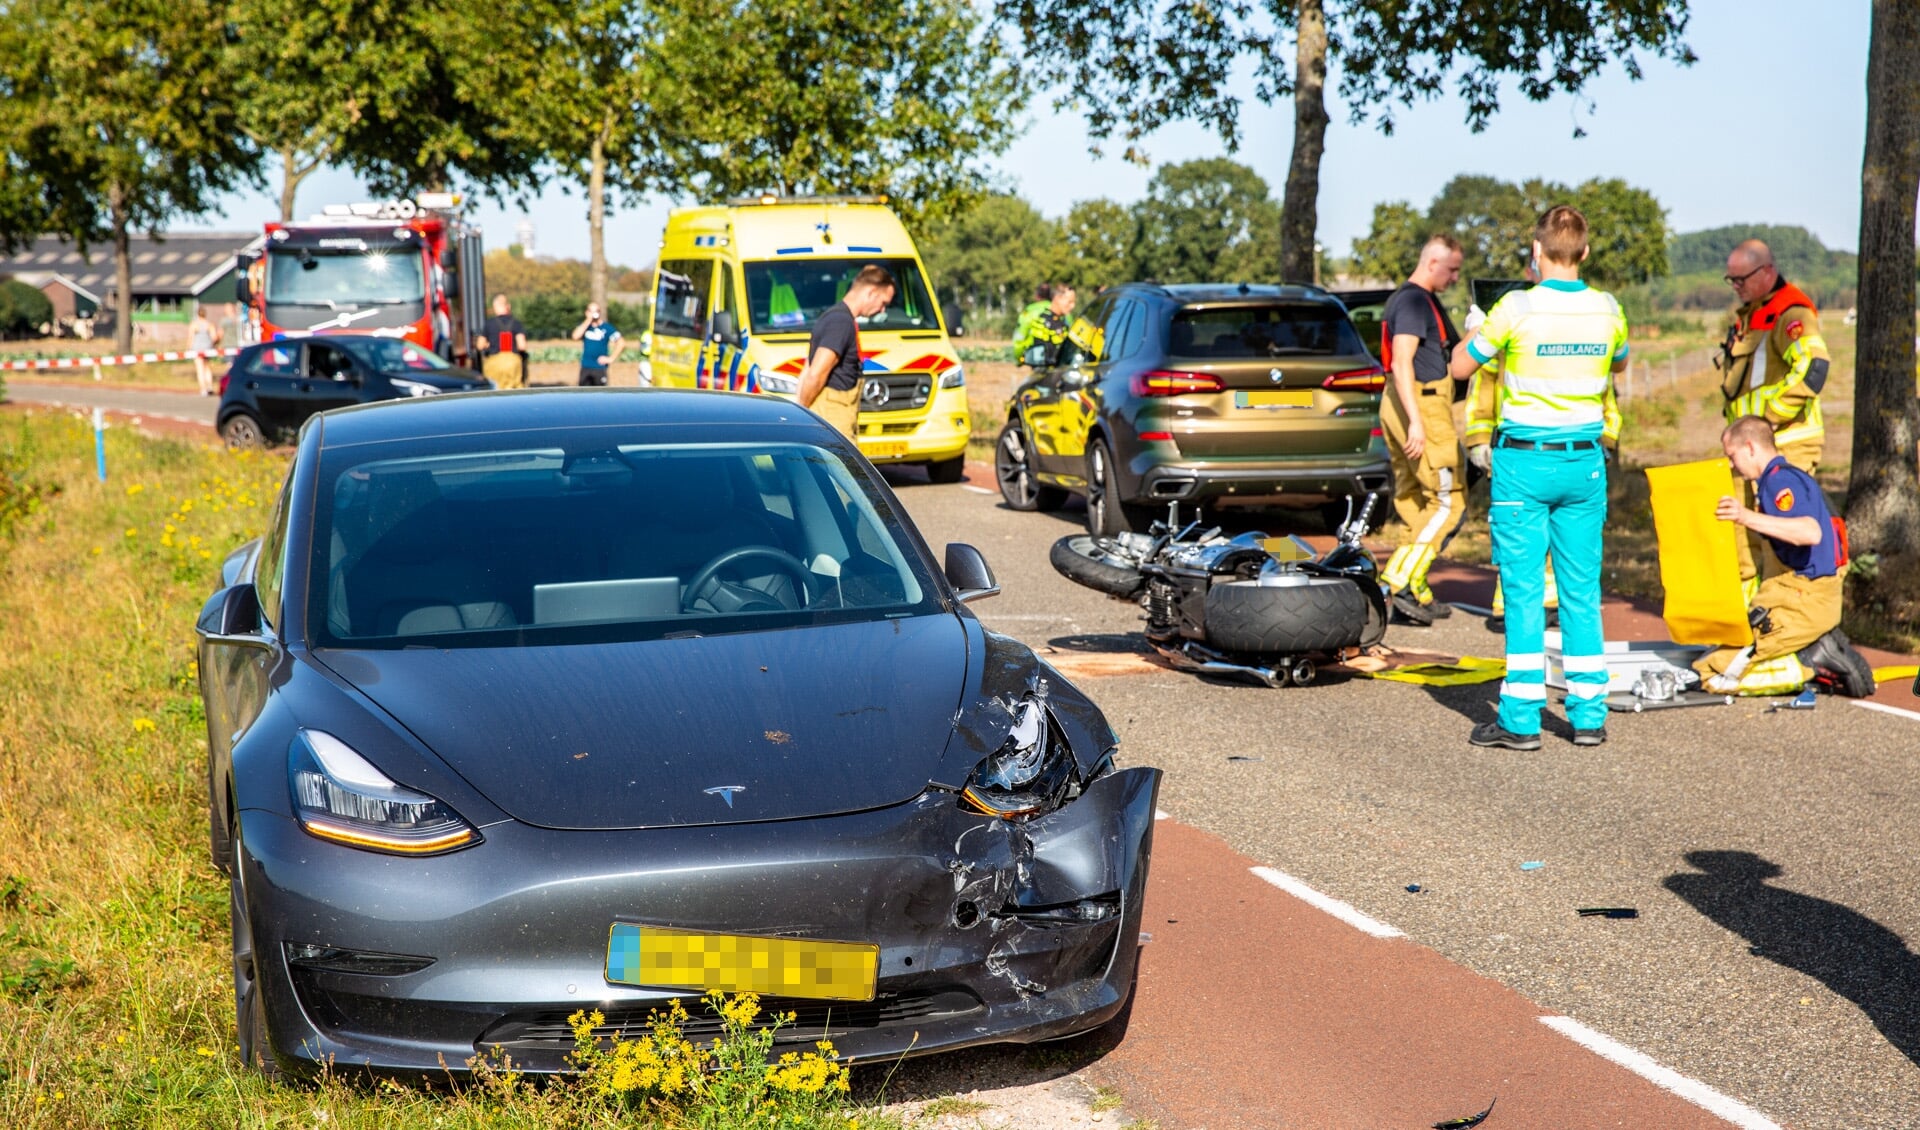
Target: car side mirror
(967,572)
(956,320)
(725,330)
(1038,356)
(233,611)
(1074,378)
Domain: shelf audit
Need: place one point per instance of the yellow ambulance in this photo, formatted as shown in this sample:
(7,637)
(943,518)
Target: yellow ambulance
(738,287)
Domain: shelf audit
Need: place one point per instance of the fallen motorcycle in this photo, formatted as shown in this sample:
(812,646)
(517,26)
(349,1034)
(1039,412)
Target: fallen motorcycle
(1249,606)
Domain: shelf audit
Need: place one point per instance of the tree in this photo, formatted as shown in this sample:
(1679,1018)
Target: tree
(838,96)
(1494,221)
(23,309)
(1136,66)
(121,112)
(1883,493)
(1099,237)
(1208,220)
(579,90)
(990,257)
(1391,247)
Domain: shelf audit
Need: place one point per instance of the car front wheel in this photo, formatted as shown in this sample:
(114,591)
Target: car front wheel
(249,1007)
(241,430)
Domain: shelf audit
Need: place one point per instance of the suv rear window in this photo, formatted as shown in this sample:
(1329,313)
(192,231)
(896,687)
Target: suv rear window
(1260,332)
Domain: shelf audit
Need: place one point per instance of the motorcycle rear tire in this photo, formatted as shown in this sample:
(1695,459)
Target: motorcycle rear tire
(1073,558)
(1324,615)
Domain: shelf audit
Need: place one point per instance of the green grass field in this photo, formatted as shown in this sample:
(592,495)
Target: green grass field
(115,978)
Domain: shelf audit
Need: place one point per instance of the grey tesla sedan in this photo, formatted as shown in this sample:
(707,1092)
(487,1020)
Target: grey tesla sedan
(533,701)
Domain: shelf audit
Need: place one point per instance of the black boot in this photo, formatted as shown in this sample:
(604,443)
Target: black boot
(1408,609)
(1834,660)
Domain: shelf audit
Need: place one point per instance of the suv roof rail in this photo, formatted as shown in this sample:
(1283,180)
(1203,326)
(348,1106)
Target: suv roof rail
(766,198)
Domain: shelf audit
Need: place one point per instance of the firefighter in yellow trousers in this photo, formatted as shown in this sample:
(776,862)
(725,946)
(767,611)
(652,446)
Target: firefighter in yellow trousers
(1416,413)
(1773,364)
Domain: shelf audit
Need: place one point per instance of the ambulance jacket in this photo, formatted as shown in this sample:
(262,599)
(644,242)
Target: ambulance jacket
(1557,344)
(1774,364)
(1484,391)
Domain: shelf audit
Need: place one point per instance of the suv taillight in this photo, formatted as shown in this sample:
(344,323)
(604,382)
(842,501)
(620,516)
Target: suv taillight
(224,378)
(1171,382)
(1372,379)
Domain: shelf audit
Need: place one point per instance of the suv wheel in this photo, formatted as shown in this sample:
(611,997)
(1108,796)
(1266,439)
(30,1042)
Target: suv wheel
(1107,515)
(1013,467)
(242,430)
(947,470)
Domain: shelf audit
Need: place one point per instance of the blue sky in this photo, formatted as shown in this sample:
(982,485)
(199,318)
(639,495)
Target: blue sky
(1767,127)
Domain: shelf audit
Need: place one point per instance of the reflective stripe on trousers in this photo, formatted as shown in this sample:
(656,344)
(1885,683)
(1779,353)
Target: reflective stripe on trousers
(1551,502)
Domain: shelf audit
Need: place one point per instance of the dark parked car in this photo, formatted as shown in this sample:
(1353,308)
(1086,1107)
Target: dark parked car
(1200,394)
(272,387)
(522,697)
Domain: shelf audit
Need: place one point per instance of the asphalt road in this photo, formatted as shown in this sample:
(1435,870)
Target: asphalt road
(1770,855)
(167,404)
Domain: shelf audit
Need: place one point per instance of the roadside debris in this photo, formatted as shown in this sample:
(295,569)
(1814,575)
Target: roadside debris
(1607,912)
(1532,865)
(1413,888)
(1241,757)
(1467,1122)
(1802,701)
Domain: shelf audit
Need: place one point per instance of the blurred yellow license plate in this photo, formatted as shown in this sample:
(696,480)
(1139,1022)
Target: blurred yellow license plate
(788,967)
(883,449)
(1273,398)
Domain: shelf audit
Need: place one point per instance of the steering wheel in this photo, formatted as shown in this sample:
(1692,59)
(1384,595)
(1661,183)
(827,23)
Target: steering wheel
(786,561)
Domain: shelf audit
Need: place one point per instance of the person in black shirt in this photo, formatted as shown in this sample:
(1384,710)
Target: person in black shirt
(1416,414)
(504,346)
(830,383)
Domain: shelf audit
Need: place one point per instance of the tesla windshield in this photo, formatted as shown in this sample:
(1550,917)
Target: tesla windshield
(334,279)
(785,295)
(576,541)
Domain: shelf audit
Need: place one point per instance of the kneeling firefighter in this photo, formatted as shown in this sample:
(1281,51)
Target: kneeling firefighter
(1796,611)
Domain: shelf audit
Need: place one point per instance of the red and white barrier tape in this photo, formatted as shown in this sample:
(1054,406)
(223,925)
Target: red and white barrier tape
(120,359)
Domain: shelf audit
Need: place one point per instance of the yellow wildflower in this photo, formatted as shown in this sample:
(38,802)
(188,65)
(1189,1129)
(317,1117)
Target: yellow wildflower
(143,725)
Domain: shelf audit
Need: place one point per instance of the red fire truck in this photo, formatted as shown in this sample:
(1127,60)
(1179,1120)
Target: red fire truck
(408,269)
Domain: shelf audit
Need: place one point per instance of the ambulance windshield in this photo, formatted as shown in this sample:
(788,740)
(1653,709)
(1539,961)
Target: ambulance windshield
(784,296)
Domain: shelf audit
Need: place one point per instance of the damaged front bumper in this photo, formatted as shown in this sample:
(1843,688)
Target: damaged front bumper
(989,930)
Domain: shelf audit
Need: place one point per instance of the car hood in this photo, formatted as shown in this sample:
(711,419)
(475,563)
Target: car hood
(802,722)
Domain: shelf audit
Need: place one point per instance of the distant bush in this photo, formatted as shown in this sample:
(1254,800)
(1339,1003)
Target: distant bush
(549,316)
(23,309)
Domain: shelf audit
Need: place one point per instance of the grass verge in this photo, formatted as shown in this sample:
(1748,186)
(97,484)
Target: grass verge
(115,986)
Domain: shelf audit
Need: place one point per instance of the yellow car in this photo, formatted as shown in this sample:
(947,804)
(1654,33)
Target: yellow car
(739,286)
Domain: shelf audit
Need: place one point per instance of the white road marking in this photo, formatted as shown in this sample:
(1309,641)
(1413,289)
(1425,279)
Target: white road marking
(1885,709)
(977,490)
(1692,1090)
(1159,814)
(1343,911)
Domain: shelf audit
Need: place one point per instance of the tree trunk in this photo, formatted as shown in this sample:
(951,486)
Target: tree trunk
(291,174)
(1300,210)
(597,223)
(123,306)
(1883,492)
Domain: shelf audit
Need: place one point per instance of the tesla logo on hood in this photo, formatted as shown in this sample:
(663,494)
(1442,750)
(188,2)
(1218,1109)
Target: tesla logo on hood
(725,792)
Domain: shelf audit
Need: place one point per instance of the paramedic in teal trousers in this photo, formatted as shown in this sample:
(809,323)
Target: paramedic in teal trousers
(1559,343)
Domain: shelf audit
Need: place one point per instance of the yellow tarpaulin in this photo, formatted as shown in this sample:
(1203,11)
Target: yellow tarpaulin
(1699,564)
(1466,670)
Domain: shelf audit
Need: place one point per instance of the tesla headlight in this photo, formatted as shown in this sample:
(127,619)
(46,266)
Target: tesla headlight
(338,795)
(413,388)
(1032,773)
(955,377)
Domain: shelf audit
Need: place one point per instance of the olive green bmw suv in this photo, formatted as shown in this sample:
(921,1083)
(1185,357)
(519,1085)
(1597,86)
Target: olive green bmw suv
(1203,395)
